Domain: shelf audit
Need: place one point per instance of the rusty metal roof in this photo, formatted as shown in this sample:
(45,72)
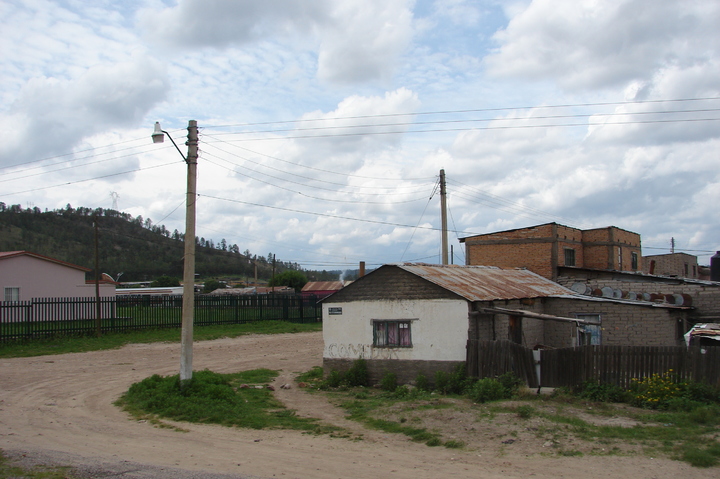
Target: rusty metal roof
(323,286)
(487,283)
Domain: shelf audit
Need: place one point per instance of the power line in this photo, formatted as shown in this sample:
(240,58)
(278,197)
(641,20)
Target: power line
(473,110)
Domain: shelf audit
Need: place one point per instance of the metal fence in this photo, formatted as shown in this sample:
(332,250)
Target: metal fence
(47,317)
(570,367)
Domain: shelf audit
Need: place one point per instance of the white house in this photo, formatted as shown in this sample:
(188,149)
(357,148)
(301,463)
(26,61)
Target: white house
(417,318)
(25,275)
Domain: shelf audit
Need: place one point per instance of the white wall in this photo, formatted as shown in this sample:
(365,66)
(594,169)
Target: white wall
(439,329)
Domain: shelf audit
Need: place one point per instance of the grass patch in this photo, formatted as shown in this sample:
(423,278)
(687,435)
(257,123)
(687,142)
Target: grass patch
(81,344)
(212,398)
(9,470)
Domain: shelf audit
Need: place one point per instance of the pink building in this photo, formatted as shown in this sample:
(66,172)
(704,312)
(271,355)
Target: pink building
(25,275)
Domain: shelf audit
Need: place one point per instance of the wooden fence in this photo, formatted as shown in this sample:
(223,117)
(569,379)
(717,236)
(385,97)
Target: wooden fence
(76,316)
(570,367)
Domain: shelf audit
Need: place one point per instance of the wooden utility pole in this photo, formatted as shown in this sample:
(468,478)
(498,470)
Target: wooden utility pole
(188,305)
(443,216)
(98,309)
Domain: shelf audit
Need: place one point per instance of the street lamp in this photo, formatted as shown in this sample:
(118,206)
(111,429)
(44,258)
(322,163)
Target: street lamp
(188,304)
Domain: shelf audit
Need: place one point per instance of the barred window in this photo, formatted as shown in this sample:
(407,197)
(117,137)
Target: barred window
(392,334)
(569,257)
(12,294)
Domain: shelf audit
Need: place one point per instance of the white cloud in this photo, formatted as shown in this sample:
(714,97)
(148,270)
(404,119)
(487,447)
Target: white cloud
(51,116)
(590,44)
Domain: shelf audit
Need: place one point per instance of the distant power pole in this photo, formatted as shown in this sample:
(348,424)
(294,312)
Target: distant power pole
(443,216)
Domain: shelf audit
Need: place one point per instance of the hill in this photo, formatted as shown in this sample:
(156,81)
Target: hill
(135,247)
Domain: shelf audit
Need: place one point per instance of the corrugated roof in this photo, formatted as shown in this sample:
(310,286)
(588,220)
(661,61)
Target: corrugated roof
(323,286)
(487,283)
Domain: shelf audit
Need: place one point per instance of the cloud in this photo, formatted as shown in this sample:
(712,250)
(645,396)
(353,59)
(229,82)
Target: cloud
(365,40)
(224,23)
(51,116)
(359,40)
(589,45)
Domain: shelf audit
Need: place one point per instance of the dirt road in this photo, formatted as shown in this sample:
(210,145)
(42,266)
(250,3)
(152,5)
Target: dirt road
(59,409)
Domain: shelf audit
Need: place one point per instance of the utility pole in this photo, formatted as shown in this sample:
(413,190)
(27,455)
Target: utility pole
(98,309)
(188,305)
(443,216)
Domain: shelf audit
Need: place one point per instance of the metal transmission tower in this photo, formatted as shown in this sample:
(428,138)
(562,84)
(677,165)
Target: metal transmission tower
(114,197)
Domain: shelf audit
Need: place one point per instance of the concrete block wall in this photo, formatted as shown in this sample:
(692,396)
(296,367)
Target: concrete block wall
(705,298)
(622,324)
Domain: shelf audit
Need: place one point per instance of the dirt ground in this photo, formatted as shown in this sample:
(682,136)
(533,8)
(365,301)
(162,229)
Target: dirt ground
(59,409)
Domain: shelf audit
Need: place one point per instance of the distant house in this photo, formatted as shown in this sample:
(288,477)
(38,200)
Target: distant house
(287,290)
(544,248)
(417,318)
(25,275)
(321,289)
(681,265)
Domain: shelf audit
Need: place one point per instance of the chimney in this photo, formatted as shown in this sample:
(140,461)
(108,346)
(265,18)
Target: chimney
(362,269)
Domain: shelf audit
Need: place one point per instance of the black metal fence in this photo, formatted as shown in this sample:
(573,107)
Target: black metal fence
(47,317)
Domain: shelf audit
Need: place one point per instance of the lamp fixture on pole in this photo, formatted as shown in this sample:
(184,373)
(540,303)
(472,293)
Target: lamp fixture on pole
(188,304)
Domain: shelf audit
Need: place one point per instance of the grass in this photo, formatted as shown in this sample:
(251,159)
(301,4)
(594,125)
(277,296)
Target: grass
(565,421)
(235,400)
(80,344)
(9,470)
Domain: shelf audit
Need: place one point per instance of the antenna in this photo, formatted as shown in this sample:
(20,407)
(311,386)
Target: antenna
(114,197)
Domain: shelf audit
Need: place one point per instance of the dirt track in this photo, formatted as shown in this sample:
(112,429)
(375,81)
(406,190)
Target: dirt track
(59,409)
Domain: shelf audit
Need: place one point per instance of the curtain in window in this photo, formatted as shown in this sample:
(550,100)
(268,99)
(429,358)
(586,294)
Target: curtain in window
(380,335)
(393,334)
(404,334)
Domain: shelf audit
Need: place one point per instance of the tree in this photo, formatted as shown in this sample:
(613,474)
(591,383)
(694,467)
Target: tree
(165,282)
(294,279)
(211,285)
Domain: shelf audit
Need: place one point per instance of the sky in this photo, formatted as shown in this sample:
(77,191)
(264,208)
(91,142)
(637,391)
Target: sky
(324,124)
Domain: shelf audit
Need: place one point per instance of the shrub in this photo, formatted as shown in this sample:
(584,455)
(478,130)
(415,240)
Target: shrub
(525,411)
(358,374)
(602,392)
(389,382)
(487,389)
(511,383)
(334,379)
(455,382)
(422,383)
(656,391)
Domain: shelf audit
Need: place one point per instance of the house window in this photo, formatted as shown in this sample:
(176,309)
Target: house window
(634,259)
(392,334)
(12,294)
(589,334)
(569,257)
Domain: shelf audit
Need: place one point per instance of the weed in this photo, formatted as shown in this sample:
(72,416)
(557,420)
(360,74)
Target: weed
(422,383)
(454,444)
(389,382)
(433,442)
(525,411)
(358,374)
(487,389)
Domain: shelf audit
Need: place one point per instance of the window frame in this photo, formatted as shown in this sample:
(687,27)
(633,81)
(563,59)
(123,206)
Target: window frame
(13,293)
(586,332)
(570,253)
(634,261)
(384,327)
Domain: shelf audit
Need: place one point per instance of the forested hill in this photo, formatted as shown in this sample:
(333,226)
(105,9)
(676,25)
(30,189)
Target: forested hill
(135,247)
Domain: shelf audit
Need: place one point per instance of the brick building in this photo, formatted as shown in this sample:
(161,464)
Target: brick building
(681,265)
(544,248)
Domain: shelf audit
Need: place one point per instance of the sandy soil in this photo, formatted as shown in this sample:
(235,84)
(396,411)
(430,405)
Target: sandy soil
(60,409)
